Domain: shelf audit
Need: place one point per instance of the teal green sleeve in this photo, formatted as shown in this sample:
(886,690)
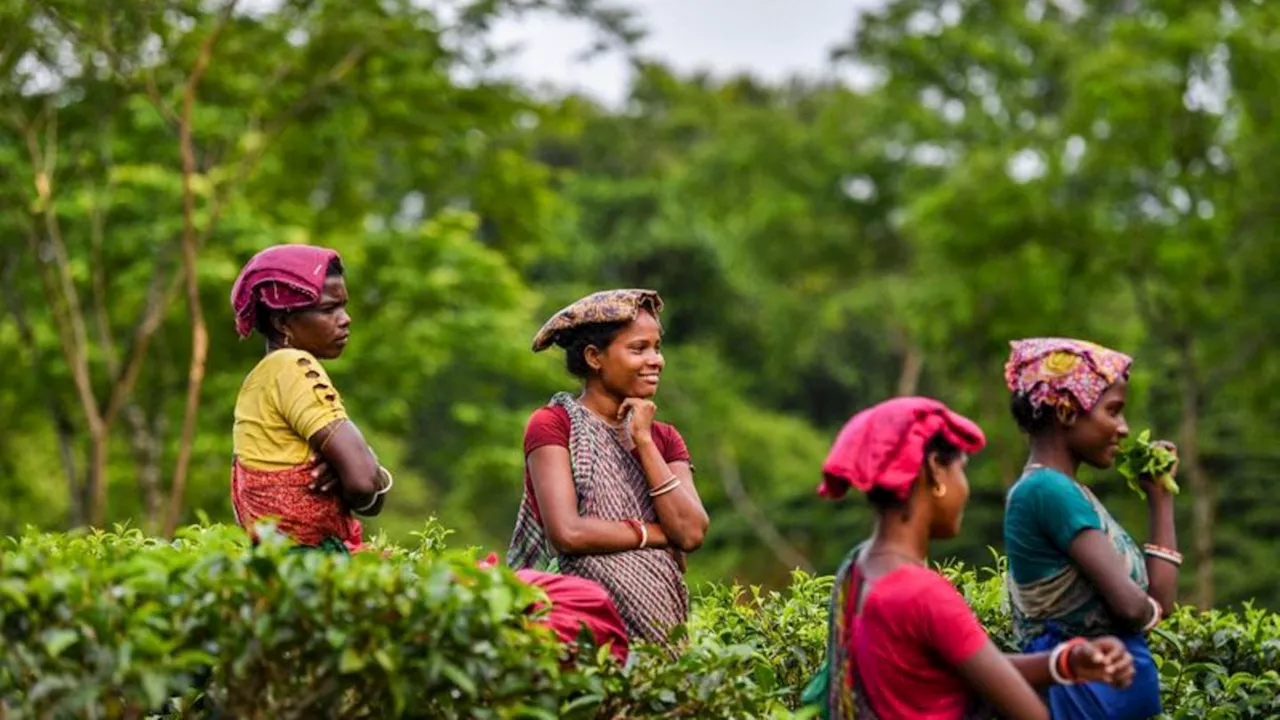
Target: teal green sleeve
(1061,510)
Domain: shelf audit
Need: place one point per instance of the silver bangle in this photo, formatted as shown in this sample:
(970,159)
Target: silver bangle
(382,472)
(672,483)
(391,481)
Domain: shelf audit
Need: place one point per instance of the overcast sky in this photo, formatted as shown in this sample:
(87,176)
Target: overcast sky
(770,38)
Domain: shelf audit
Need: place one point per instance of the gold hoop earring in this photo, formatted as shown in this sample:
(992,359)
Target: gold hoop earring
(939,490)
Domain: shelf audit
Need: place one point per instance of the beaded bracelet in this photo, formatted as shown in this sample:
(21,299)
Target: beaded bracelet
(1173,557)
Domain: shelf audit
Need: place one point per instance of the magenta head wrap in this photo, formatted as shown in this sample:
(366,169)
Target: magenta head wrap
(282,277)
(1060,372)
(883,446)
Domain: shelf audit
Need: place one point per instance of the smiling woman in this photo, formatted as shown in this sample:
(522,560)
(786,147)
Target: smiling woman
(608,492)
(298,457)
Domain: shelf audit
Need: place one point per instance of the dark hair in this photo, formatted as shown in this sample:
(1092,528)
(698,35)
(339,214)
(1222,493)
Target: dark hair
(882,499)
(575,342)
(263,314)
(1032,418)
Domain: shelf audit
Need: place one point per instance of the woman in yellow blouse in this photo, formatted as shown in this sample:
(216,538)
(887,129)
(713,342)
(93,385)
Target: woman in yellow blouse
(298,457)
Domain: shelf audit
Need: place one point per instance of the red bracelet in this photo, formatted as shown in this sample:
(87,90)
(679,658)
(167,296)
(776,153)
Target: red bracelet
(1064,658)
(642,534)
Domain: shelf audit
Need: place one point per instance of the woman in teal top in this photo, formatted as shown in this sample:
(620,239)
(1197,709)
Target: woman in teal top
(1073,570)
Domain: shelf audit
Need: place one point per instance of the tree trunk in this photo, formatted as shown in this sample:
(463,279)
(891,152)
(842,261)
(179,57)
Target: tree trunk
(66,433)
(912,366)
(146,454)
(63,428)
(768,533)
(190,249)
(195,381)
(1203,498)
(100,446)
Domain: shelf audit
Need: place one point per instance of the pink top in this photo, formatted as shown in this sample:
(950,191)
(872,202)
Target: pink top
(913,630)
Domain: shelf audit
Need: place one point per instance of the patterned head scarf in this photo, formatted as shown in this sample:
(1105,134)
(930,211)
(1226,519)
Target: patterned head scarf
(883,446)
(1063,373)
(602,307)
(282,277)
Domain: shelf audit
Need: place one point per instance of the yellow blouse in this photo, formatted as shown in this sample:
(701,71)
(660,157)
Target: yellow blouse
(286,399)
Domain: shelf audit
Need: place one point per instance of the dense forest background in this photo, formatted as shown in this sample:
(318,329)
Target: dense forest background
(1103,169)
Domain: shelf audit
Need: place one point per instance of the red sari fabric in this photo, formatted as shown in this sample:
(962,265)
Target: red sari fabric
(304,515)
(576,602)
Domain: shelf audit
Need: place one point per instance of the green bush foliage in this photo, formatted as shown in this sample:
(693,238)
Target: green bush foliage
(121,625)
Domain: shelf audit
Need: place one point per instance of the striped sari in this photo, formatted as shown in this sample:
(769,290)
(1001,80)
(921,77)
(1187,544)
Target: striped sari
(647,584)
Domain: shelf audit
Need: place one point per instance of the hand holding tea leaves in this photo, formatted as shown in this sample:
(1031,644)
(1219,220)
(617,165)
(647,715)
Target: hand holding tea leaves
(1141,460)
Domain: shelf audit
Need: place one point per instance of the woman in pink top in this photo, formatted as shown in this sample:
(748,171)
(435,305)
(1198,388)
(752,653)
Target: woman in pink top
(904,644)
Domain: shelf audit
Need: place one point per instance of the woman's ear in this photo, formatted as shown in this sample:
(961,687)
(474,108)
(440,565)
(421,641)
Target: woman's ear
(592,355)
(278,323)
(934,467)
(1067,416)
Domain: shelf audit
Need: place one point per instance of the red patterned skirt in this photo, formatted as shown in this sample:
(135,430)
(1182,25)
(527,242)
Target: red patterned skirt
(308,517)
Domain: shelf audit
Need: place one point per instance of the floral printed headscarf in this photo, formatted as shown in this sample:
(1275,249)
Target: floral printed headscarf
(1063,373)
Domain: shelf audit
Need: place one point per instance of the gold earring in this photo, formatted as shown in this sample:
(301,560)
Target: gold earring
(939,490)
(1065,413)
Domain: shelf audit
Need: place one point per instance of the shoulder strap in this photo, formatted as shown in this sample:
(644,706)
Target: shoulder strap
(839,667)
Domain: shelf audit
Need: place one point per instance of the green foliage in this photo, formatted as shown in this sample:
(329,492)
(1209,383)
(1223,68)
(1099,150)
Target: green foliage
(1014,169)
(120,624)
(1139,457)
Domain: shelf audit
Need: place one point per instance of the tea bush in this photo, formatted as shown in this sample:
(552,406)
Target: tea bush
(119,625)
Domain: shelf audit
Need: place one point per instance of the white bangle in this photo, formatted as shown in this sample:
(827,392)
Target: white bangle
(372,502)
(644,535)
(1156,615)
(664,489)
(391,481)
(671,483)
(1054,656)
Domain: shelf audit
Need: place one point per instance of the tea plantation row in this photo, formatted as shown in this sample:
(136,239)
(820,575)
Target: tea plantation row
(119,625)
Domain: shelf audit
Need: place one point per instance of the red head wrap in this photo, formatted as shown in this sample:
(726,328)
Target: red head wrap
(883,446)
(282,277)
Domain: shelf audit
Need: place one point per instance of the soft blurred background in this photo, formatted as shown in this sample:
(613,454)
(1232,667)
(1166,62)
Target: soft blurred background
(839,201)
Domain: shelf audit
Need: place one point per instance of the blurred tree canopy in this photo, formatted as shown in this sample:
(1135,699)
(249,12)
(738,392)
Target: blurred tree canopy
(1096,169)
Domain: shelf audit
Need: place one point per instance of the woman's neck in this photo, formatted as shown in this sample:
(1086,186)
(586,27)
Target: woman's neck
(899,540)
(600,401)
(1051,452)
